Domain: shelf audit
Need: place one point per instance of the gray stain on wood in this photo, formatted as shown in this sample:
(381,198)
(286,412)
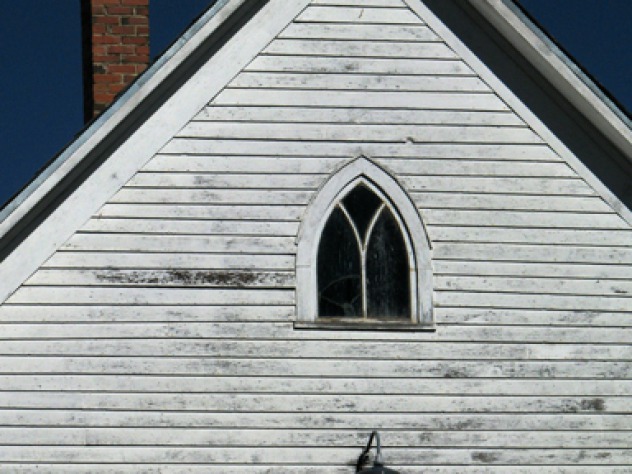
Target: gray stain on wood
(195,278)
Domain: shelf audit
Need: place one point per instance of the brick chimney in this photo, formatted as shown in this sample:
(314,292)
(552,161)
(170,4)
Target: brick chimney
(115,49)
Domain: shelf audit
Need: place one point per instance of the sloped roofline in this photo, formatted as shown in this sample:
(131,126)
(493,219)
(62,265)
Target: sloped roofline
(505,15)
(61,166)
(558,68)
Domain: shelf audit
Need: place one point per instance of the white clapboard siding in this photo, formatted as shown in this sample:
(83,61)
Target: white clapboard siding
(362,82)
(524,219)
(261,367)
(322,456)
(606,238)
(150,296)
(67,383)
(359,422)
(191,227)
(351,49)
(367,116)
(269,403)
(327,14)
(328,350)
(191,261)
(161,336)
(535,285)
(361,3)
(361,99)
(176,244)
(463,317)
(263,181)
(309,64)
(162,278)
(359,31)
(354,133)
(214,196)
(253,212)
(498,185)
(214,149)
(534,253)
(298,438)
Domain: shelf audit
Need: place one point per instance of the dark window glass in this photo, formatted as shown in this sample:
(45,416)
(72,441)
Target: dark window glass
(387,271)
(339,269)
(361,204)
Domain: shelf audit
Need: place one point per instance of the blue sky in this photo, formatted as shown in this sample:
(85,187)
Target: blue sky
(40,60)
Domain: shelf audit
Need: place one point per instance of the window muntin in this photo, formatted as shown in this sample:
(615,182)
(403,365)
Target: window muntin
(363,268)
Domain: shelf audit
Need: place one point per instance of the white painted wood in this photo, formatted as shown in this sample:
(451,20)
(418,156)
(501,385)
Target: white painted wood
(525,219)
(358,82)
(236,149)
(501,185)
(195,347)
(326,14)
(214,196)
(220,212)
(361,3)
(531,269)
(163,278)
(233,180)
(320,385)
(359,31)
(162,332)
(179,437)
(309,367)
(180,244)
(359,65)
(312,403)
(367,133)
(368,116)
(194,261)
(535,253)
(497,202)
(150,296)
(351,49)
(191,227)
(386,99)
(602,238)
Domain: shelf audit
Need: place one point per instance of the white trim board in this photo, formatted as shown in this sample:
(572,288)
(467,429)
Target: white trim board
(426,15)
(142,145)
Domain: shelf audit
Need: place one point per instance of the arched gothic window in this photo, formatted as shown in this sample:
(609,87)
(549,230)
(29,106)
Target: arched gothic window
(363,257)
(363,268)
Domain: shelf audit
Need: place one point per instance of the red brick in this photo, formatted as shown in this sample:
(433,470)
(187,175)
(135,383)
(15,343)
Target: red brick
(142,30)
(123,30)
(107,78)
(103,98)
(105,39)
(118,10)
(113,58)
(135,59)
(122,68)
(121,49)
(106,20)
(134,40)
(138,20)
(143,50)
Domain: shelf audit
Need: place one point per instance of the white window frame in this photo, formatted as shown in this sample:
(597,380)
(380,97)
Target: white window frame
(363,170)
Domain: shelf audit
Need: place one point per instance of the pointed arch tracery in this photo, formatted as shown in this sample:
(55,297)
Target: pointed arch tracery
(363,254)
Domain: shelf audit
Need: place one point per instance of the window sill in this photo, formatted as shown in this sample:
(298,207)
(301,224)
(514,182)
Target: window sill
(339,325)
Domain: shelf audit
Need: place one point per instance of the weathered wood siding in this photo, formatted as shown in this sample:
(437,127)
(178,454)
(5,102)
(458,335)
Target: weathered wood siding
(159,338)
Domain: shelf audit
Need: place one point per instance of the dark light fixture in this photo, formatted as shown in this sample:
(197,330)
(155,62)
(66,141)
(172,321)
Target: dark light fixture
(378,463)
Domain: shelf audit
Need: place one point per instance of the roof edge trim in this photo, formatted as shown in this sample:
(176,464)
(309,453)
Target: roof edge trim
(579,89)
(97,130)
